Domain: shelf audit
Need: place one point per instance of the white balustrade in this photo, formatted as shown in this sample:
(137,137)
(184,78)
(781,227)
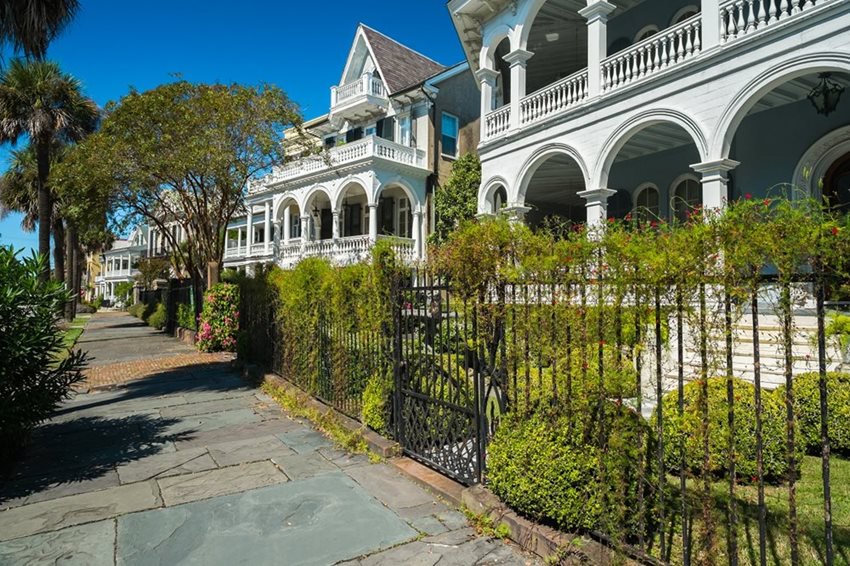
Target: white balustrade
(367,84)
(235,251)
(739,18)
(656,53)
(554,98)
(497,122)
(366,148)
(259,249)
(404,248)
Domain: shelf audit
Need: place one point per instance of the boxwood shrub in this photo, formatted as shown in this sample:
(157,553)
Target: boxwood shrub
(550,469)
(159,317)
(688,429)
(807,403)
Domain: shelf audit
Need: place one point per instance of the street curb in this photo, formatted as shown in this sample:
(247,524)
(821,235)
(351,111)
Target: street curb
(541,540)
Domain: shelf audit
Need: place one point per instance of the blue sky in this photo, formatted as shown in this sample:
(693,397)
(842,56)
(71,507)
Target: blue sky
(299,46)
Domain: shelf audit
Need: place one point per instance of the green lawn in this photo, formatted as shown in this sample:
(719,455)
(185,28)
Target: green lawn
(74,331)
(809,514)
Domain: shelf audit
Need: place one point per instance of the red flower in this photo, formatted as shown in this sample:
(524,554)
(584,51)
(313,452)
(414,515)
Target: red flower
(654,224)
(629,217)
(835,230)
(748,196)
(767,202)
(754,479)
(611,220)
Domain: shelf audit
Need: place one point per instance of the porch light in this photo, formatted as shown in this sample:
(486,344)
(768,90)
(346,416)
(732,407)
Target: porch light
(826,94)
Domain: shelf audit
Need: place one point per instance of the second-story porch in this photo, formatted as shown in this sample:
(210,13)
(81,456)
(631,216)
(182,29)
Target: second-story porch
(701,105)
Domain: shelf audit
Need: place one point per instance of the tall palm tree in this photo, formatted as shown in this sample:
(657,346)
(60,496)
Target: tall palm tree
(30,25)
(18,194)
(39,101)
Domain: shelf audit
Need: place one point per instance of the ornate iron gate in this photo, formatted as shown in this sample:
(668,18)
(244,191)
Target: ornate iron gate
(440,413)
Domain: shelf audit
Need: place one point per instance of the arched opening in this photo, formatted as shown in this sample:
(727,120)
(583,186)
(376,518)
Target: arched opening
(684,13)
(558,39)
(656,155)
(636,21)
(552,188)
(646,32)
(289,220)
(779,128)
(502,92)
(320,212)
(353,211)
(395,212)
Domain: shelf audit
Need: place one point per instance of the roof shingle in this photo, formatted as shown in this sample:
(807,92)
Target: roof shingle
(401,66)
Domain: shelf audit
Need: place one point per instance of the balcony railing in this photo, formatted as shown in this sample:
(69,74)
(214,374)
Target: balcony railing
(367,85)
(661,51)
(368,148)
(342,251)
(559,96)
(667,49)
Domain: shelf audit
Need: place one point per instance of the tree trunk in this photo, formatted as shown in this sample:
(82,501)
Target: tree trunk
(59,249)
(45,207)
(73,264)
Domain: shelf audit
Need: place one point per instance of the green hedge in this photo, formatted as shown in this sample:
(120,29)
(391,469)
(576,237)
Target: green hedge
(688,429)
(807,403)
(551,469)
(159,318)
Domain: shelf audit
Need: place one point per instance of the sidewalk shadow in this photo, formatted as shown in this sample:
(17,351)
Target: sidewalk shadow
(86,448)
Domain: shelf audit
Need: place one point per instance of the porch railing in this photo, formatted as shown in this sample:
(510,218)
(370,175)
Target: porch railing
(367,84)
(498,121)
(559,96)
(743,17)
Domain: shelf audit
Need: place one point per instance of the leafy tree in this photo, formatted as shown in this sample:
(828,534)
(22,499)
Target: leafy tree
(183,153)
(123,290)
(33,378)
(30,25)
(41,102)
(150,270)
(457,200)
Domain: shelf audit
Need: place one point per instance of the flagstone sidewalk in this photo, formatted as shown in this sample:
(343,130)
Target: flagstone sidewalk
(191,465)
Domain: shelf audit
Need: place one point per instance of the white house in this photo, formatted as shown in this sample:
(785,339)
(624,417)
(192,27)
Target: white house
(118,264)
(593,109)
(367,169)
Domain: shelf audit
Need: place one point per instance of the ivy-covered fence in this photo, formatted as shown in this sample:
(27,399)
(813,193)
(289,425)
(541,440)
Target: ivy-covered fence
(662,388)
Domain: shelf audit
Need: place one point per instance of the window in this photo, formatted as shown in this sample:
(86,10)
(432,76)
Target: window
(353,134)
(386,211)
(684,14)
(646,32)
(371,131)
(386,128)
(259,235)
(404,131)
(330,142)
(500,199)
(647,203)
(352,220)
(295,226)
(405,217)
(687,196)
(449,129)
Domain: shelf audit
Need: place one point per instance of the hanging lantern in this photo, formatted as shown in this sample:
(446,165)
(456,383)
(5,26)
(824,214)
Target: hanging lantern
(826,94)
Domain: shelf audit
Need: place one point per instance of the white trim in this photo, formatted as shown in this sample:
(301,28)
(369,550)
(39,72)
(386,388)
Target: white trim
(644,187)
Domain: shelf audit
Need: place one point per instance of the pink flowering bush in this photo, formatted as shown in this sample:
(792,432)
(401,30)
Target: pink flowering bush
(219,321)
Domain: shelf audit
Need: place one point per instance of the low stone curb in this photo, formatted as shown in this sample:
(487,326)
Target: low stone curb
(543,541)
(186,336)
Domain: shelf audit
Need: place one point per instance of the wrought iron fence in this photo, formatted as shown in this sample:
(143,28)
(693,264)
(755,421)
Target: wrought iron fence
(693,382)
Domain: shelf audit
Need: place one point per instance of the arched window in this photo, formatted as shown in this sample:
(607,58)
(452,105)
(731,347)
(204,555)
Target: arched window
(684,14)
(647,204)
(500,199)
(687,196)
(646,32)
(836,185)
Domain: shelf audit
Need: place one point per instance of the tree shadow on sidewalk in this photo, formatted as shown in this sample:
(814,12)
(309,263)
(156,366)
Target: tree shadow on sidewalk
(86,448)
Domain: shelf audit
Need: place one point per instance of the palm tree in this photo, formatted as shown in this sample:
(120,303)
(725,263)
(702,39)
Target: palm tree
(30,25)
(39,101)
(18,194)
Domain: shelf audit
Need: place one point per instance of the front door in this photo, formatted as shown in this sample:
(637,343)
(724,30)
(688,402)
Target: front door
(326,230)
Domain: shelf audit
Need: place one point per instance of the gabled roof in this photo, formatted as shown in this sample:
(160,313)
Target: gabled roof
(400,66)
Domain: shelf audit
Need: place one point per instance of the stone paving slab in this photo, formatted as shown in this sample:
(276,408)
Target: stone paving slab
(318,521)
(162,465)
(239,432)
(76,509)
(214,406)
(37,492)
(204,423)
(204,485)
(302,466)
(85,545)
(305,439)
(384,484)
(250,450)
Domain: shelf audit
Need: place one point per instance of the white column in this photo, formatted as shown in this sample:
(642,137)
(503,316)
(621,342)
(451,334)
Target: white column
(596,14)
(417,234)
(306,228)
(373,221)
(150,239)
(276,227)
(515,213)
(487,79)
(287,224)
(710,14)
(226,239)
(715,183)
(250,233)
(267,227)
(239,241)
(597,207)
(517,60)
